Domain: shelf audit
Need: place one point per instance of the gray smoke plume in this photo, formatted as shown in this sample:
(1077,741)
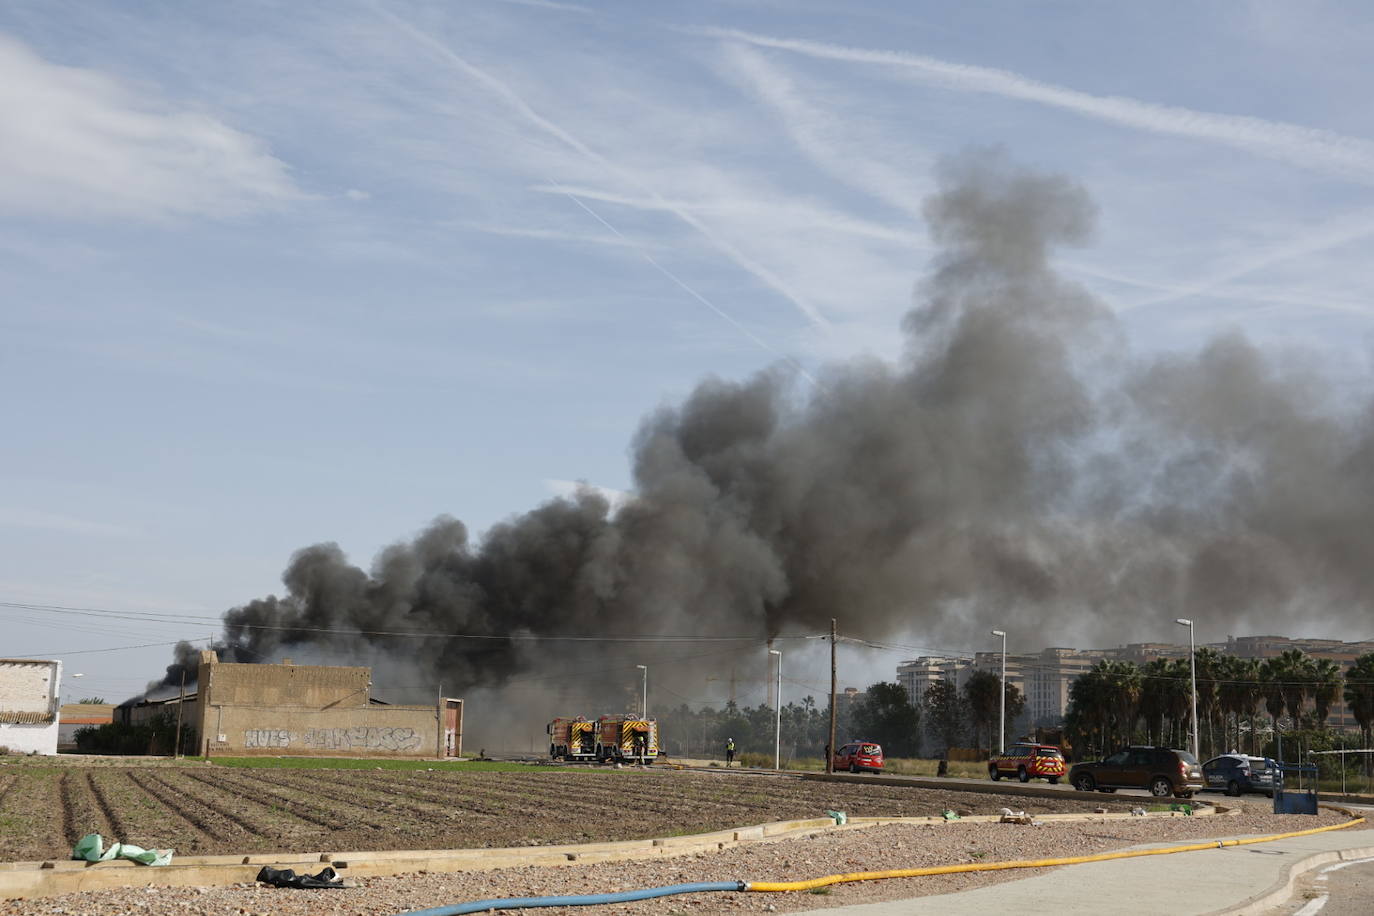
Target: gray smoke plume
(1019,467)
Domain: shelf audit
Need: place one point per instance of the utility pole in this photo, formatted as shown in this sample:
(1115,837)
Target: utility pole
(830,748)
(181,704)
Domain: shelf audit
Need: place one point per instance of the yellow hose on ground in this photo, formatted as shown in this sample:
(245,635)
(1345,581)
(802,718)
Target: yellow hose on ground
(776,886)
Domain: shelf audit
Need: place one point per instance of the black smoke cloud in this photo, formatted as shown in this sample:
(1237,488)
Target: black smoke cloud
(1019,467)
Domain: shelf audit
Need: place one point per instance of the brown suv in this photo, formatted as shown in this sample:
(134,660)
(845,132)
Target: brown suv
(1163,770)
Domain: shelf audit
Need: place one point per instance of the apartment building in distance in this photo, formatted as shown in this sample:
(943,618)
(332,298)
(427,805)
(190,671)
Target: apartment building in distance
(918,674)
(1045,677)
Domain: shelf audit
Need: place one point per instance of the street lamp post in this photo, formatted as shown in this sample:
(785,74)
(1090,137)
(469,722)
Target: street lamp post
(1192,672)
(1002,719)
(644,700)
(777,726)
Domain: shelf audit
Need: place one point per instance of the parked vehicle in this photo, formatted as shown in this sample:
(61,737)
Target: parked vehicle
(1236,774)
(859,756)
(1027,761)
(572,739)
(1164,771)
(609,739)
(626,739)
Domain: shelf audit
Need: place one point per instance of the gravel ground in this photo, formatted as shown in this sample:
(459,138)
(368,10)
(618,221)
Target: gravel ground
(866,849)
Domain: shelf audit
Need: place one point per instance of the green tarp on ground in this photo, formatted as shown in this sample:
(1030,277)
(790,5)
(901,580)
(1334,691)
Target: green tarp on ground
(89,848)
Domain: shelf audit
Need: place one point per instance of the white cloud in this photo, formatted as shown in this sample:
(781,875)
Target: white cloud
(563,235)
(355,194)
(1312,148)
(51,521)
(551,5)
(78,143)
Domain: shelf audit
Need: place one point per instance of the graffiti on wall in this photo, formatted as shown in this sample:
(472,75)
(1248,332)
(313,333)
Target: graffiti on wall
(363,738)
(360,737)
(266,737)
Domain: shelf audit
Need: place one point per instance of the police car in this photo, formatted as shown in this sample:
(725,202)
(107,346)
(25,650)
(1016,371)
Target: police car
(1235,774)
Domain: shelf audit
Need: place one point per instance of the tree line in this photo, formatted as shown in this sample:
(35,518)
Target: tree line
(947,716)
(1119,703)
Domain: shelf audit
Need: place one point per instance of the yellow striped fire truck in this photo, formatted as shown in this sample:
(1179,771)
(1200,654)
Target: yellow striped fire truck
(572,739)
(609,739)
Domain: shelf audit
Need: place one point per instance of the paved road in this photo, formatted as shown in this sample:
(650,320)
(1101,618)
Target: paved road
(1340,889)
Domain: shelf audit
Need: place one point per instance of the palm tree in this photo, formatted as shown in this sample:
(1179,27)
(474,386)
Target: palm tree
(1231,697)
(1297,671)
(1156,685)
(1250,695)
(1180,701)
(1122,682)
(1359,696)
(1271,687)
(1208,663)
(1087,716)
(1326,686)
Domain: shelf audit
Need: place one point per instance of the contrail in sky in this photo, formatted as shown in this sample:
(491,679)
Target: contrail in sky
(801,370)
(1308,147)
(515,101)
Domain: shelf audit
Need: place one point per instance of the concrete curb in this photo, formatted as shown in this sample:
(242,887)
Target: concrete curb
(45,879)
(1282,890)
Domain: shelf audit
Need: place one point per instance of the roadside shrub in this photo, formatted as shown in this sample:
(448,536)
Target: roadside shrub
(153,738)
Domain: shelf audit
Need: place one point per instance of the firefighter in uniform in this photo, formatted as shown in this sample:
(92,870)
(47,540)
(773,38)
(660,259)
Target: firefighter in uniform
(641,745)
(729,751)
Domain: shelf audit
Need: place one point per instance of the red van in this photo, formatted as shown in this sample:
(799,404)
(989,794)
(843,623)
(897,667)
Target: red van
(858,756)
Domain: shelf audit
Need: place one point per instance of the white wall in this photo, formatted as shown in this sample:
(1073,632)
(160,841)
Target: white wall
(29,689)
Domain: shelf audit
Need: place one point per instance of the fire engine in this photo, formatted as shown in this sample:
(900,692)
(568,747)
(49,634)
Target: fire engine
(572,739)
(609,739)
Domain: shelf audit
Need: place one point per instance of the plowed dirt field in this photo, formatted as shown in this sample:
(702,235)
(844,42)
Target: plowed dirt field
(199,809)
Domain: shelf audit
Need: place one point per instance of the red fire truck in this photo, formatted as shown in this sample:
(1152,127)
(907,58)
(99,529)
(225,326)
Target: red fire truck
(626,739)
(609,739)
(572,739)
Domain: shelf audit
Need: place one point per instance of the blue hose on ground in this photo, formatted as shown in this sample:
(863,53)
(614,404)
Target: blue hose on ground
(525,903)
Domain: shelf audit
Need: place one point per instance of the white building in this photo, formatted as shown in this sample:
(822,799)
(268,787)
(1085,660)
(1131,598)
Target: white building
(29,702)
(1048,679)
(917,675)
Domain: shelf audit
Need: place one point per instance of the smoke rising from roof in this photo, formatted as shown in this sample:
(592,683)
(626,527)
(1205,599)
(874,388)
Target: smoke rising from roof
(1018,467)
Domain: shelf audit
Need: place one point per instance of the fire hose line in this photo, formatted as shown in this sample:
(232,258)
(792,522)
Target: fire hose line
(515,903)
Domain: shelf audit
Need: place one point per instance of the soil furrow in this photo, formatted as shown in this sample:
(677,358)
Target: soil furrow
(186,792)
(327,817)
(447,800)
(441,806)
(306,787)
(119,830)
(246,793)
(176,807)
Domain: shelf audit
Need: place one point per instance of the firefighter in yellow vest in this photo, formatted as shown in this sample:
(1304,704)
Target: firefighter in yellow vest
(729,751)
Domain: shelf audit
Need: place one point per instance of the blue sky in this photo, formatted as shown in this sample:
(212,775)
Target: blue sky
(273,274)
